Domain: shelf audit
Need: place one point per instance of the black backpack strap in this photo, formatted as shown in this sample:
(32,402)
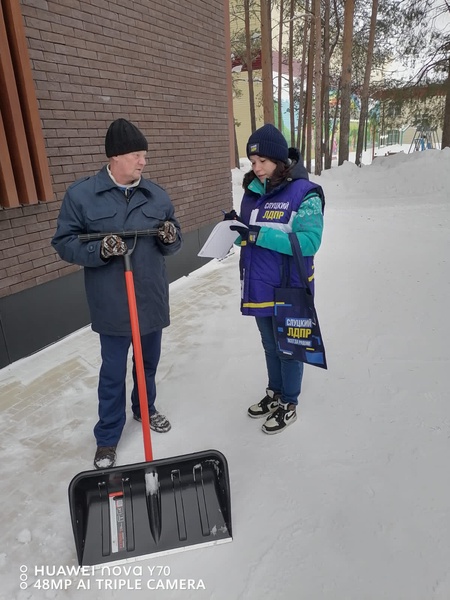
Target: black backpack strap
(298,259)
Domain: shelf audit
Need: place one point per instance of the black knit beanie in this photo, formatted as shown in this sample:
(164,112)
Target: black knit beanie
(268,141)
(123,137)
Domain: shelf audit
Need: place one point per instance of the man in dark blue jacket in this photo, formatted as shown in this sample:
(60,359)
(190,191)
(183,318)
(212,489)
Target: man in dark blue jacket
(118,199)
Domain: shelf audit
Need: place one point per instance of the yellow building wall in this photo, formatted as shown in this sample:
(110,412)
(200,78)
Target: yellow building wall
(241,100)
(241,108)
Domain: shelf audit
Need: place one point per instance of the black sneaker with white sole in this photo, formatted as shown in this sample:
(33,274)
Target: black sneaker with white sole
(158,422)
(266,406)
(281,418)
(105,457)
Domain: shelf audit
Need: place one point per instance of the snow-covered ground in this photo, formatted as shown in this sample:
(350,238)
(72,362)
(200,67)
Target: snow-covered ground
(352,501)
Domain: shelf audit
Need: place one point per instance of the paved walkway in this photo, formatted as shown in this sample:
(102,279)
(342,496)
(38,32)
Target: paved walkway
(48,401)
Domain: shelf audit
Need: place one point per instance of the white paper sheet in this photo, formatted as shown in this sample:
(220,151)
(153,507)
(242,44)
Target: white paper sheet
(220,240)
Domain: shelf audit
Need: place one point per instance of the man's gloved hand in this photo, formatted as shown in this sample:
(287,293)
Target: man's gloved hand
(249,235)
(230,216)
(167,232)
(112,245)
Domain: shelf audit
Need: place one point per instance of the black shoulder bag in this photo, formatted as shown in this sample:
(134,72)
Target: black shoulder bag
(296,326)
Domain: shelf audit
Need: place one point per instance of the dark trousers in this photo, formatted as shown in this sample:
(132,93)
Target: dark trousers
(285,374)
(111,385)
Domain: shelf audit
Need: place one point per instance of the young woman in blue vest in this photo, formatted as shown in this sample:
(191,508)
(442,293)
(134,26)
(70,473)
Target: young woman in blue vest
(278,199)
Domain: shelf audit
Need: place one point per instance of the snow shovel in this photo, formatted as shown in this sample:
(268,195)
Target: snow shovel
(153,507)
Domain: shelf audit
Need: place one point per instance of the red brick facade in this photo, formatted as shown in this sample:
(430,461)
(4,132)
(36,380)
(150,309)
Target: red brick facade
(160,63)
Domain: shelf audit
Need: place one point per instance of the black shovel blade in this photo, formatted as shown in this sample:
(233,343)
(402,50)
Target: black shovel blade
(153,507)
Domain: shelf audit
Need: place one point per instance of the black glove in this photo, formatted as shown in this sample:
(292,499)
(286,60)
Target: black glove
(167,232)
(112,245)
(249,235)
(231,216)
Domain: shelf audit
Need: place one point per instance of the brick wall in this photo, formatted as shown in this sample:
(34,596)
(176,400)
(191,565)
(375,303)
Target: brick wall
(160,63)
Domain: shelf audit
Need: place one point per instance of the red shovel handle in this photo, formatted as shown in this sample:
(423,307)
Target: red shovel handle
(139,362)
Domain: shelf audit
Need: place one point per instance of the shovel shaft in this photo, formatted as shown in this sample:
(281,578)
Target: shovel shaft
(139,362)
(89,237)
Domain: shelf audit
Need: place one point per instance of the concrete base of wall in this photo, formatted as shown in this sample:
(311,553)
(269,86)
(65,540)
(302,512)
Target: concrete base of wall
(42,315)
